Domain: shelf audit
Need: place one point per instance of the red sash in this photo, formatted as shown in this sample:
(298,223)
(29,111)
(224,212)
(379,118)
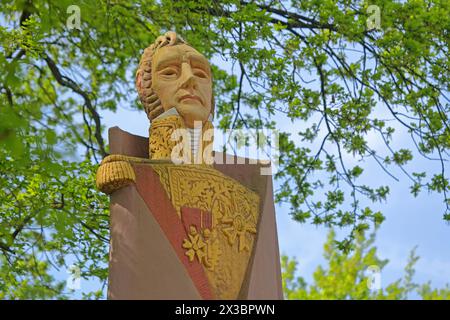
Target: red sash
(176,230)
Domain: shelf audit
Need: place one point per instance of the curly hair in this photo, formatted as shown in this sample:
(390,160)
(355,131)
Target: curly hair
(149,99)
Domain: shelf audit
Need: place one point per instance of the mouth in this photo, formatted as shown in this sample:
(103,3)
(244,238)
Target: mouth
(190,97)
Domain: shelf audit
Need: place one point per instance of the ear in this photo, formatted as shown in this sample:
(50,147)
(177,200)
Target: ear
(212,106)
(139,81)
(213,102)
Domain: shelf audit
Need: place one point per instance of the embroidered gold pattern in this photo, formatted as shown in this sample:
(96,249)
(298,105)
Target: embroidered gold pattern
(235,212)
(195,245)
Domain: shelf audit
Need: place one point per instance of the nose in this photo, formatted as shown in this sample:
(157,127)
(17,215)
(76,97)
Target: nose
(187,79)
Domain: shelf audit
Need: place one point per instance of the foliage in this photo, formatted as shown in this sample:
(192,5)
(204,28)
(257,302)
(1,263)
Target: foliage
(50,213)
(351,276)
(314,65)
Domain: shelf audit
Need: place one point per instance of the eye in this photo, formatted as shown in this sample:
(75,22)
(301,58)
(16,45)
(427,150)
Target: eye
(170,72)
(200,73)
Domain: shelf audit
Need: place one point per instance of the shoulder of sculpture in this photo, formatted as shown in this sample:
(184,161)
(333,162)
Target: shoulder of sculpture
(114,172)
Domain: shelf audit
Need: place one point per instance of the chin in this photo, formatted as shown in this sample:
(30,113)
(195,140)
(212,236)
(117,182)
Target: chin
(193,112)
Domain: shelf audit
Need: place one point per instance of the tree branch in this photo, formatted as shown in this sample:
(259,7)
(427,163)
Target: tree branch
(69,83)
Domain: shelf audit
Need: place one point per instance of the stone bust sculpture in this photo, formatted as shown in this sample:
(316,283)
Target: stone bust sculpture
(210,219)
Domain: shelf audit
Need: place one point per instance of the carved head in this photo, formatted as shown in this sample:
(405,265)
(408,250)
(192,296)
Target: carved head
(172,74)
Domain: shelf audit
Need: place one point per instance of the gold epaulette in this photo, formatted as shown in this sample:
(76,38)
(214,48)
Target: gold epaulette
(116,172)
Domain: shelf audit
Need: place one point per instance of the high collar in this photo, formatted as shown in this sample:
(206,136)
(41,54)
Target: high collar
(168,134)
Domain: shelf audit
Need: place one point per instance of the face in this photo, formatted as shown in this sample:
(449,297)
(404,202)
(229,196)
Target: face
(181,77)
